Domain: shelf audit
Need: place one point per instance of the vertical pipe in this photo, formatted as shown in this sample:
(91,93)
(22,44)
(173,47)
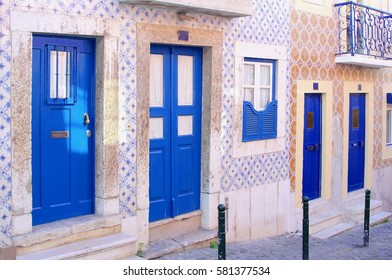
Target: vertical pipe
(221,232)
(366,222)
(305,229)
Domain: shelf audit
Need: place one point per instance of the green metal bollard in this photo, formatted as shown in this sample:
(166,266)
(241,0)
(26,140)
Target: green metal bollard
(305,229)
(221,232)
(366,222)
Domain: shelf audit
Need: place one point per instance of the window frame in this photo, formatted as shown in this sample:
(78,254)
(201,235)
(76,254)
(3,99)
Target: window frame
(257,62)
(388,122)
(280,55)
(72,98)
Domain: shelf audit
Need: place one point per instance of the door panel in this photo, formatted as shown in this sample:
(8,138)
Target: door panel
(312,147)
(356,149)
(63,153)
(181,139)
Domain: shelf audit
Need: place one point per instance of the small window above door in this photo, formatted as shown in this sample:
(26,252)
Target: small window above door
(60,74)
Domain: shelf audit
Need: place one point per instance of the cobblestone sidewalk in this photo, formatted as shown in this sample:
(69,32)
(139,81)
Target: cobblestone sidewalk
(345,246)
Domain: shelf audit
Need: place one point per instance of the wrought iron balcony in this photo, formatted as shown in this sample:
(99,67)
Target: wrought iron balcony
(365,35)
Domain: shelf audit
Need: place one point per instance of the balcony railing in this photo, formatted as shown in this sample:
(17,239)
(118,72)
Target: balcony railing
(364,31)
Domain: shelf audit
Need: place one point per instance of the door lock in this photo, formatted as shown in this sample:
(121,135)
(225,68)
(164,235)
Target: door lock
(88,132)
(86,119)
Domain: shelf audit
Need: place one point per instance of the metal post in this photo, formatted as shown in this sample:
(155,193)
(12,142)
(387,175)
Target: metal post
(221,232)
(366,219)
(305,229)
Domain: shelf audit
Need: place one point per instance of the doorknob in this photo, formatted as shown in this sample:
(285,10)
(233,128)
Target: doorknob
(311,147)
(86,119)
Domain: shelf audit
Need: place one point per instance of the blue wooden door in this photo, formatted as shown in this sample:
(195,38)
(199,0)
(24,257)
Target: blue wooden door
(356,147)
(311,178)
(63,82)
(175,130)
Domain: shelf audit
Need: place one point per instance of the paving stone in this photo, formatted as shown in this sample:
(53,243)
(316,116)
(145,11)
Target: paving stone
(345,246)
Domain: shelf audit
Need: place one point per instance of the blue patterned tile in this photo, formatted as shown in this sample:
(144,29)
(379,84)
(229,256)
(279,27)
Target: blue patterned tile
(268,25)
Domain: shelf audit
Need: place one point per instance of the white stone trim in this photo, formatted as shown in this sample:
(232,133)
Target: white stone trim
(278,53)
(23,26)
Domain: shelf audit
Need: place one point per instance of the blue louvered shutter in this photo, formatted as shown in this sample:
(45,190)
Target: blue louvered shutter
(259,125)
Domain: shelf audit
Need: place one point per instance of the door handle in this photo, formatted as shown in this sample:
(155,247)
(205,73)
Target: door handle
(86,119)
(311,147)
(358,144)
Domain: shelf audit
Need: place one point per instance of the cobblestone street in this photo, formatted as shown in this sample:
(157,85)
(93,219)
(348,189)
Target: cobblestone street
(345,246)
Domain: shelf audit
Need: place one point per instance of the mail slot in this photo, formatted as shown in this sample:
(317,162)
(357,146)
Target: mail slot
(59,134)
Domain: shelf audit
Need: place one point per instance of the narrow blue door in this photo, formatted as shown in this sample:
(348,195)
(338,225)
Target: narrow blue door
(311,179)
(356,147)
(175,130)
(63,82)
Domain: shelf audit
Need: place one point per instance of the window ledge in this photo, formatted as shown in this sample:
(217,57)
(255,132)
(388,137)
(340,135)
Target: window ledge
(258,147)
(224,8)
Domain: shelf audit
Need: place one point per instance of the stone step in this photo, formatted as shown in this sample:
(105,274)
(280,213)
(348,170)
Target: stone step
(324,220)
(356,212)
(355,198)
(380,218)
(197,239)
(66,231)
(334,230)
(115,246)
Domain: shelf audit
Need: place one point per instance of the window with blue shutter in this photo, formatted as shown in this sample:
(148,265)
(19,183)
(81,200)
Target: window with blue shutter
(259,106)
(389,120)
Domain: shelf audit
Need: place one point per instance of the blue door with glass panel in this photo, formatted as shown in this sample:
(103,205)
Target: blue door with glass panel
(311,178)
(175,130)
(63,82)
(356,147)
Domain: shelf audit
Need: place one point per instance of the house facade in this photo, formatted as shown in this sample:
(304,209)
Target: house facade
(125,123)
(339,85)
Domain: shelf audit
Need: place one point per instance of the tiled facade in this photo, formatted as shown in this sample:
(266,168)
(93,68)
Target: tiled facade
(314,42)
(311,42)
(269,25)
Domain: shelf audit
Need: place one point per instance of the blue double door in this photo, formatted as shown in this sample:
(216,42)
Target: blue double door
(356,145)
(175,130)
(63,82)
(312,160)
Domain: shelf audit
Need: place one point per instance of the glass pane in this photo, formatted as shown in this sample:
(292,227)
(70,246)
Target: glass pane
(156,128)
(185,125)
(63,74)
(185,80)
(249,74)
(248,94)
(310,119)
(156,80)
(265,75)
(355,123)
(389,126)
(53,74)
(59,74)
(262,99)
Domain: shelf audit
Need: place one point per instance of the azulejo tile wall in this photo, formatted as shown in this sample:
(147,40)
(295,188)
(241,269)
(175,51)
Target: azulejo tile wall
(268,25)
(314,41)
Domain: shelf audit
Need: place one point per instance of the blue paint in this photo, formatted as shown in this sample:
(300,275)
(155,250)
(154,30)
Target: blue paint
(175,161)
(63,168)
(356,150)
(389,98)
(261,125)
(311,177)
